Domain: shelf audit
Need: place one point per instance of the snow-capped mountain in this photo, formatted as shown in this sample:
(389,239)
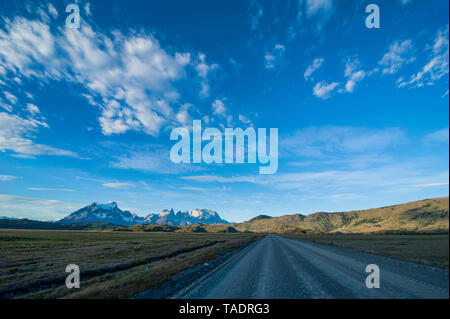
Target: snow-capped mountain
(111,213)
(169,217)
(102,213)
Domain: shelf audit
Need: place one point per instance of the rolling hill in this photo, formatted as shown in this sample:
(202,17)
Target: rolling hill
(425,216)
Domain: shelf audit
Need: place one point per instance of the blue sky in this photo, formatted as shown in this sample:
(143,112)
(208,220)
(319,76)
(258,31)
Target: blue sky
(86,114)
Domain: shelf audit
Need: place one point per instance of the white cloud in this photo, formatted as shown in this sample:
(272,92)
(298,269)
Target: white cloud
(437,65)
(130,76)
(52,11)
(5,106)
(316,64)
(273,58)
(432,184)
(118,185)
(87,9)
(203,71)
(15,135)
(323,90)
(35,208)
(353,73)
(314,6)
(399,54)
(438,137)
(256,14)
(33,109)
(10,97)
(219,108)
(183,116)
(51,189)
(6,178)
(156,161)
(244,119)
(319,142)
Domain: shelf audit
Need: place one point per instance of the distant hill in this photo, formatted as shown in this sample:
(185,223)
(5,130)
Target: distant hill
(110,213)
(195,228)
(430,215)
(35,224)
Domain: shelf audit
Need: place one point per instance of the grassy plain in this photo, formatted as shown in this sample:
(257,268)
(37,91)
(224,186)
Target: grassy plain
(112,264)
(431,250)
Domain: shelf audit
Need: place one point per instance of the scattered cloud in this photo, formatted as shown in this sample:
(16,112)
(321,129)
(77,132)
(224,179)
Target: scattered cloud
(219,108)
(353,73)
(399,54)
(319,142)
(315,6)
(33,109)
(10,97)
(272,59)
(130,77)
(316,64)
(16,136)
(35,208)
(256,14)
(437,65)
(323,90)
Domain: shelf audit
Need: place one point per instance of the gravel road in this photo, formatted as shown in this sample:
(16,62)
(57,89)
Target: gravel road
(277,267)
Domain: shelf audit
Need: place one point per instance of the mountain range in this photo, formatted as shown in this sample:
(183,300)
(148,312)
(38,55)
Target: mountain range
(425,216)
(112,214)
(429,215)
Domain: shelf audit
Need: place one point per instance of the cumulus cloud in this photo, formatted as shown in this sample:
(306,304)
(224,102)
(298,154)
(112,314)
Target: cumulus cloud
(219,108)
(353,73)
(130,77)
(323,90)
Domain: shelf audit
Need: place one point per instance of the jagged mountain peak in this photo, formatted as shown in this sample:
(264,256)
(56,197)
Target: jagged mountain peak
(111,213)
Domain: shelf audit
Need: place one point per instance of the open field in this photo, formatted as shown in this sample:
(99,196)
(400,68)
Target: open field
(431,250)
(112,264)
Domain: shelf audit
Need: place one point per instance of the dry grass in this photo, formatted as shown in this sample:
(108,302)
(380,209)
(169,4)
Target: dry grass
(112,264)
(425,216)
(431,250)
